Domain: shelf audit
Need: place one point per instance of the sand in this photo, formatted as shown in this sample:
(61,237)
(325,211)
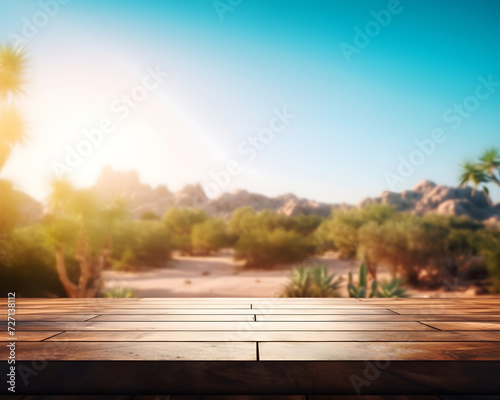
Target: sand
(215,276)
(221,276)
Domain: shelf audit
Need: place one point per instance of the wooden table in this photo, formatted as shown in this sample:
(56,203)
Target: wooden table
(298,346)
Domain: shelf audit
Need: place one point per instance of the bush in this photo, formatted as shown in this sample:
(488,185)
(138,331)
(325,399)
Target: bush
(266,238)
(262,248)
(209,236)
(180,221)
(127,262)
(27,265)
(141,243)
(342,230)
(426,250)
(154,242)
(149,216)
(488,242)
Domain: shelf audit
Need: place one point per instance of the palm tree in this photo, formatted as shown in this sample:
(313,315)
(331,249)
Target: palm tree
(490,163)
(472,173)
(12,67)
(482,172)
(12,129)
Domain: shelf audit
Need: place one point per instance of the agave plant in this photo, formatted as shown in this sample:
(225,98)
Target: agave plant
(118,292)
(325,285)
(312,282)
(360,290)
(393,288)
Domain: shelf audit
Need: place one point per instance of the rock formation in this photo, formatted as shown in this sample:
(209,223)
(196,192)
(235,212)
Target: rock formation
(428,197)
(141,198)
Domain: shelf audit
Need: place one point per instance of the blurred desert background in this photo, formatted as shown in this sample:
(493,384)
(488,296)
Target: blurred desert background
(249,149)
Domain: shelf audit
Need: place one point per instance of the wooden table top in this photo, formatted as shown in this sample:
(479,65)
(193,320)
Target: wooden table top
(255,346)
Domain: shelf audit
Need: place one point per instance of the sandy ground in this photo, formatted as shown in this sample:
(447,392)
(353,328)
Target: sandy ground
(221,276)
(215,276)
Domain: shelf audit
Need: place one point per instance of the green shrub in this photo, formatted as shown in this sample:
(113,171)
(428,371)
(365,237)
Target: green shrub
(266,238)
(127,262)
(209,236)
(154,243)
(342,229)
(488,242)
(261,248)
(27,265)
(180,222)
(149,216)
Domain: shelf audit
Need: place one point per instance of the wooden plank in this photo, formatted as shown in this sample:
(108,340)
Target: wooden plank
(78,397)
(179,317)
(133,351)
(134,306)
(378,317)
(216,311)
(223,326)
(27,336)
(361,397)
(445,310)
(466,326)
(469,397)
(383,351)
(53,317)
(279,336)
(205,397)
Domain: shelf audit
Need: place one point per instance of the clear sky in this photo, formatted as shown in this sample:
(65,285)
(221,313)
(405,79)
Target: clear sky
(361,81)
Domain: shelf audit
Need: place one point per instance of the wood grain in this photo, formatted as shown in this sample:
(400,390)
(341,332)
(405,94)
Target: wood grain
(383,351)
(301,348)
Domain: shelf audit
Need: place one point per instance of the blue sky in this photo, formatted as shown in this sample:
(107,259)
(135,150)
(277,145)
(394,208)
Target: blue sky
(232,67)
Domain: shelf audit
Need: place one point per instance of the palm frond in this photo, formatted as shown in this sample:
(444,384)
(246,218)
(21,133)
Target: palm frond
(12,68)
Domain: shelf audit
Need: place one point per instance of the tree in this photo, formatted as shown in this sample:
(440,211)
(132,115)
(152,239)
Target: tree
(482,172)
(81,227)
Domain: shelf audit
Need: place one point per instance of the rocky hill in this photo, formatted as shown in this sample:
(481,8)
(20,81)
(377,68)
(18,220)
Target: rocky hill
(428,197)
(143,198)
